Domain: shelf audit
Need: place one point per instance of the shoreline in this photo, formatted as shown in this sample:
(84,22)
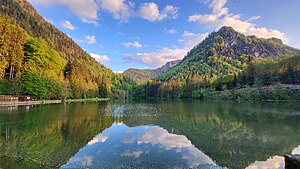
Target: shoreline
(45,102)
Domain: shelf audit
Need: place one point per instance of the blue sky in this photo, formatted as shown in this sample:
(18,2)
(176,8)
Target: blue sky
(124,34)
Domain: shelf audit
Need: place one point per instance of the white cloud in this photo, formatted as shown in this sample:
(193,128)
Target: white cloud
(85,10)
(118,71)
(150,12)
(220,16)
(253,18)
(190,40)
(164,55)
(91,39)
(100,58)
(171,31)
(158,58)
(68,25)
(135,44)
(171,11)
(120,9)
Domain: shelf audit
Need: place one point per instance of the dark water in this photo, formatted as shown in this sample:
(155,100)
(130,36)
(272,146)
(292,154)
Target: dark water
(149,134)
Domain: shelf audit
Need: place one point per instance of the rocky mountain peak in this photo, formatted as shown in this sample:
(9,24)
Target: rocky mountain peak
(227,31)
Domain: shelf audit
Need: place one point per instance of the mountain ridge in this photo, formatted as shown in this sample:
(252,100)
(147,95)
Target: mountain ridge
(49,55)
(142,75)
(226,52)
(30,20)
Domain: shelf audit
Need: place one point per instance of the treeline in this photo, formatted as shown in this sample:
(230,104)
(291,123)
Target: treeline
(256,72)
(29,66)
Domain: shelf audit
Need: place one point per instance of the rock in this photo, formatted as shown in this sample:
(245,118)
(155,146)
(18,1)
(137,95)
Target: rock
(292,161)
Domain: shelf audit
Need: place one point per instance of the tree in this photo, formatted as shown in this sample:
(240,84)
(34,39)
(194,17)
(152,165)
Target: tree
(4,27)
(16,55)
(104,88)
(33,84)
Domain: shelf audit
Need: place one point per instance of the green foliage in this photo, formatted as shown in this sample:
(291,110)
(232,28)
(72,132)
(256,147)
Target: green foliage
(139,91)
(122,86)
(226,52)
(35,85)
(40,58)
(104,88)
(70,71)
(199,93)
(238,86)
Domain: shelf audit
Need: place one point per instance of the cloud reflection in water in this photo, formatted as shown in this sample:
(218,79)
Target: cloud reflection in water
(139,147)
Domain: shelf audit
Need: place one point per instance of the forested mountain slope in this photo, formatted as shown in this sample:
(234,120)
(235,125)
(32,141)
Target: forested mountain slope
(226,52)
(142,75)
(41,55)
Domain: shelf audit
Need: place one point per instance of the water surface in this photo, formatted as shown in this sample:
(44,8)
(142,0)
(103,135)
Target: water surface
(149,134)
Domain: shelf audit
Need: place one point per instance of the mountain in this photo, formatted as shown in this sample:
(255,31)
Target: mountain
(142,75)
(226,52)
(46,62)
(27,18)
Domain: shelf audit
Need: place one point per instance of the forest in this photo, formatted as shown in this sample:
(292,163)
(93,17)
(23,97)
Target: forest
(29,66)
(256,79)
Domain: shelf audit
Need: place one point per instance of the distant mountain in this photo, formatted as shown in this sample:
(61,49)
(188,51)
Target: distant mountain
(142,75)
(225,52)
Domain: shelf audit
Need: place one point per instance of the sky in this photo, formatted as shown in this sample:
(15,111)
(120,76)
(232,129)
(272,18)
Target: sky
(124,34)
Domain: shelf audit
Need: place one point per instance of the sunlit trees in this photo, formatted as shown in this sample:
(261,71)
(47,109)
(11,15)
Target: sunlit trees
(12,39)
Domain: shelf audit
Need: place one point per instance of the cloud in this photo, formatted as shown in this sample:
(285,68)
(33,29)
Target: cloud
(171,31)
(100,58)
(160,57)
(85,10)
(221,16)
(118,71)
(135,44)
(149,11)
(120,9)
(190,40)
(67,25)
(253,18)
(91,39)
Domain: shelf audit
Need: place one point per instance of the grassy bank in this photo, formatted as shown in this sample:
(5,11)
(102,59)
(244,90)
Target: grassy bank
(278,92)
(86,100)
(41,102)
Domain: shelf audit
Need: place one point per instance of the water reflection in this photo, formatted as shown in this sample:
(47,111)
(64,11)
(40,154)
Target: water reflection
(296,151)
(276,162)
(139,147)
(233,135)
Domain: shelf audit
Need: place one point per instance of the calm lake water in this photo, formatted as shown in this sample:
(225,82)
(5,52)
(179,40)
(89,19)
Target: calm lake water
(149,134)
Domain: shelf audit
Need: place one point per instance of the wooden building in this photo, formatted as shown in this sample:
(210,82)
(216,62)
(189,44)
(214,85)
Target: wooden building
(5,98)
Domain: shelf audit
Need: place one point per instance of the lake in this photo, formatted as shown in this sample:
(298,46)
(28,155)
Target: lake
(149,134)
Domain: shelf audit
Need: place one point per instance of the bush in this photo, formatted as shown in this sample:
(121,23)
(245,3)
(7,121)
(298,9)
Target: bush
(199,93)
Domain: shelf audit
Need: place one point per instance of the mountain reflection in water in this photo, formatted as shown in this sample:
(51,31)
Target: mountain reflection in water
(139,147)
(222,134)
